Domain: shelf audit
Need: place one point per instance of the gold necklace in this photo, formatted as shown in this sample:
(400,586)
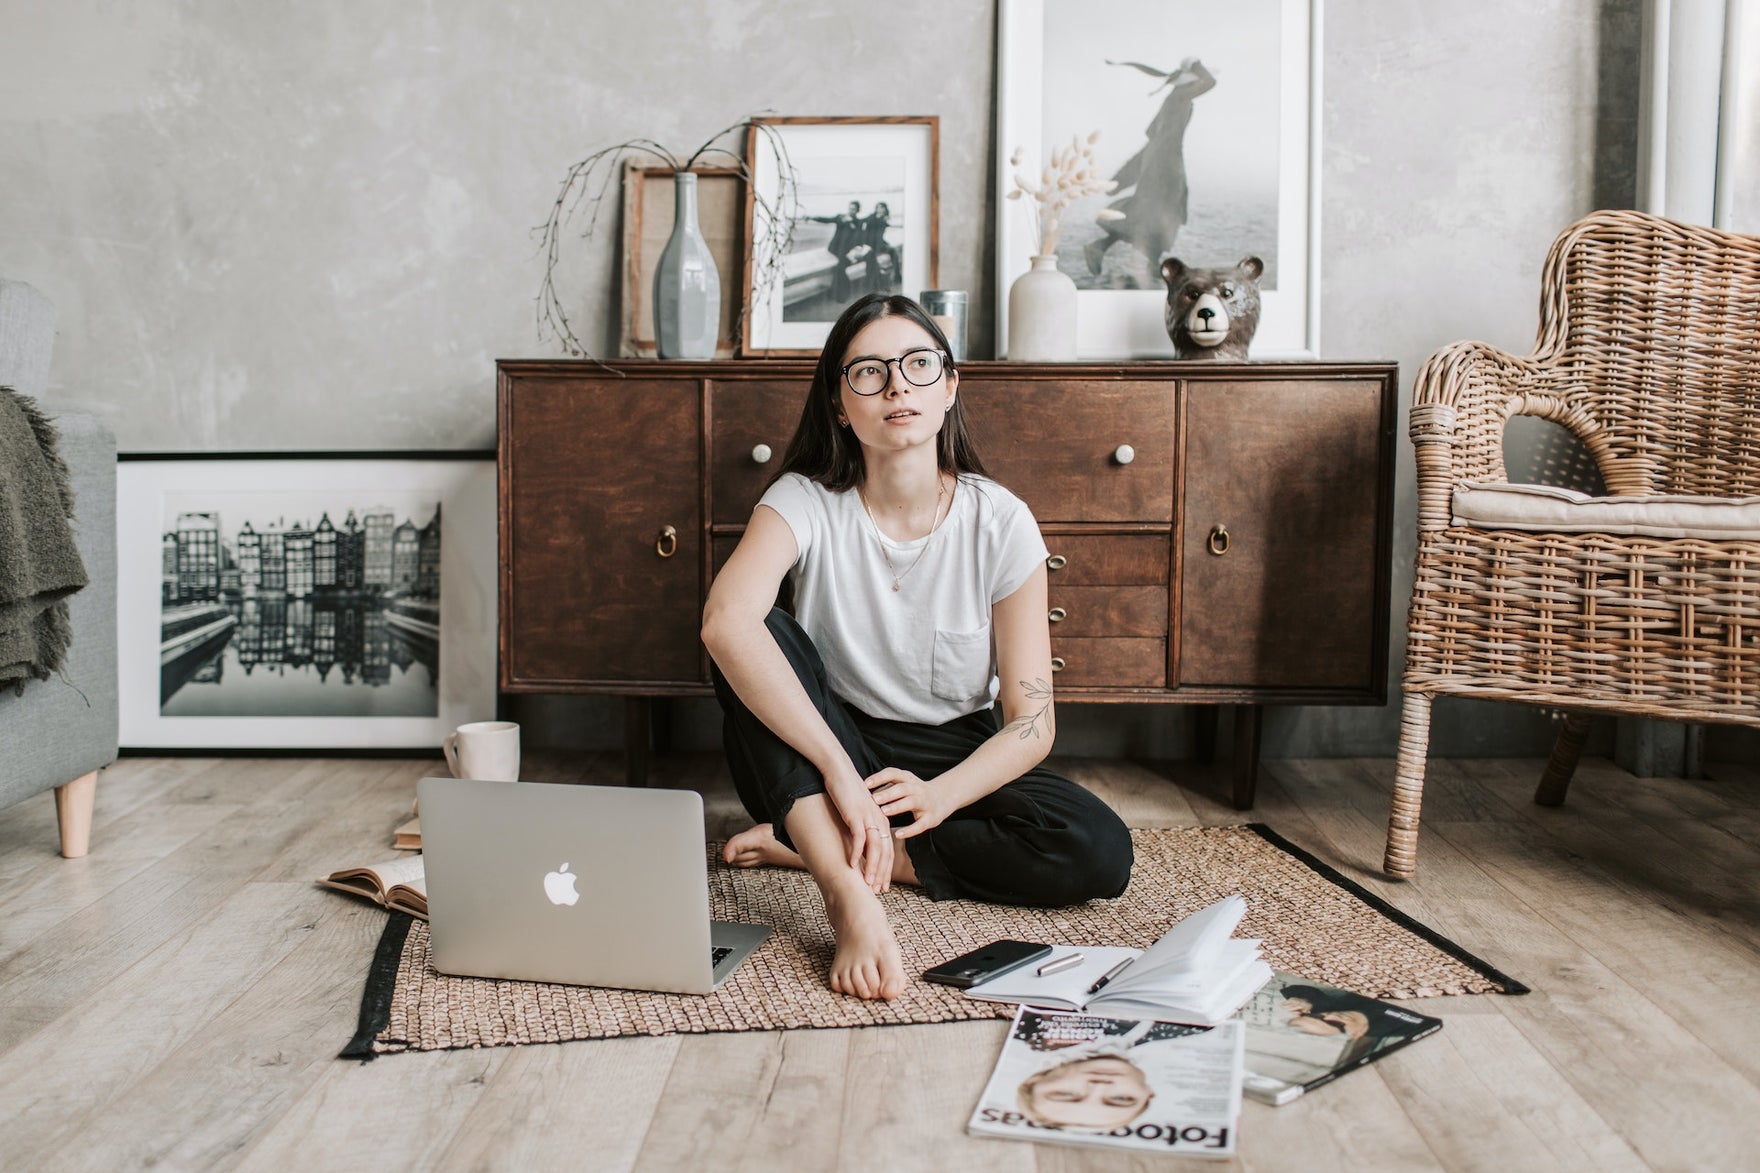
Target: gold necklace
(897,575)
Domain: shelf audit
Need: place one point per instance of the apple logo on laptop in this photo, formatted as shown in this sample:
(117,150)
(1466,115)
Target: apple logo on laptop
(559,886)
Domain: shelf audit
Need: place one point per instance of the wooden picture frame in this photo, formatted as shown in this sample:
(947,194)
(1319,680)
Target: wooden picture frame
(868,187)
(647,223)
(1250,151)
(234,633)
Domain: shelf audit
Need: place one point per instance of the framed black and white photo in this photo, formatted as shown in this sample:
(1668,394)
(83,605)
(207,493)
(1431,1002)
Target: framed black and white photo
(1208,118)
(856,202)
(304,601)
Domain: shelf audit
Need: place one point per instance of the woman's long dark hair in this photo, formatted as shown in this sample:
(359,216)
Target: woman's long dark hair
(831,455)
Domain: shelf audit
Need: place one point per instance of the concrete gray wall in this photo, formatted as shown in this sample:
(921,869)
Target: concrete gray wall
(309,226)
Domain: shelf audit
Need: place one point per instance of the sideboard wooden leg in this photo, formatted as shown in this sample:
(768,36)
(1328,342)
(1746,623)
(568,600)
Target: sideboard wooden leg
(1246,755)
(660,718)
(1204,733)
(637,735)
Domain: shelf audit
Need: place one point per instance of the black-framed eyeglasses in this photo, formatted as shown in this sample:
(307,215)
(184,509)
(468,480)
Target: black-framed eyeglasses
(869,376)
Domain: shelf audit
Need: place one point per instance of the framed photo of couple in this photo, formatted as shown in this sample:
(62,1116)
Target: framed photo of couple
(837,207)
(1208,119)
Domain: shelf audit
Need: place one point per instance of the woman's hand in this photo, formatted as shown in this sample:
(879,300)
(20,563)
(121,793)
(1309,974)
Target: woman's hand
(900,791)
(870,837)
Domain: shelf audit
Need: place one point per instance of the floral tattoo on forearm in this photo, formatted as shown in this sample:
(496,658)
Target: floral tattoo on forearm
(1027,724)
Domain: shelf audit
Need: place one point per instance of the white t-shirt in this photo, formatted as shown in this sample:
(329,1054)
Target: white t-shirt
(923,653)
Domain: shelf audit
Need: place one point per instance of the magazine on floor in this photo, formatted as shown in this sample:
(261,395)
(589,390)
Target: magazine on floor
(1301,1033)
(1116,1083)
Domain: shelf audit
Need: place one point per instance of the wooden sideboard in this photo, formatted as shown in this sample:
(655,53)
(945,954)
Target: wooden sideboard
(1220,533)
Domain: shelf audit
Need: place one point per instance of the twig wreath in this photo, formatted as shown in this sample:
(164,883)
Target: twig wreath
(591,178)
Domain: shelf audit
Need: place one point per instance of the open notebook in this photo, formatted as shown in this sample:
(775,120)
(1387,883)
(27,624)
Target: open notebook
(1197,973)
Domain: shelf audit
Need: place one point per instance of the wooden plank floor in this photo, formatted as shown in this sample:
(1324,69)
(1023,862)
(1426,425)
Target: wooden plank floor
(177,998)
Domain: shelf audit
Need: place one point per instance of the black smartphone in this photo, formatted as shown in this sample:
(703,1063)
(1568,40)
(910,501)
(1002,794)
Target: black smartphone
(980,965)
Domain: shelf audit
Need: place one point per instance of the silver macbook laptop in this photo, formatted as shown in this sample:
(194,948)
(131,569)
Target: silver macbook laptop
(588,885)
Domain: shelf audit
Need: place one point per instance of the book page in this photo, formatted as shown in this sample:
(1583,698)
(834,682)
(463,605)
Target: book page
(1077,1079)
(1191,943)
(384,876)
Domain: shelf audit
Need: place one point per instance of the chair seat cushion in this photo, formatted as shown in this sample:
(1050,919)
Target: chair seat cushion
(1549,509)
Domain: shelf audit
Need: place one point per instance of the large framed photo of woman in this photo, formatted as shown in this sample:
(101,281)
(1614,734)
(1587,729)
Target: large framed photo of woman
(837,207)
(1208,120)
(304,600)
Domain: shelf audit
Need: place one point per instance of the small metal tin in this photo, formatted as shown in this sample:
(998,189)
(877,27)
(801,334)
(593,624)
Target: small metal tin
(948,308)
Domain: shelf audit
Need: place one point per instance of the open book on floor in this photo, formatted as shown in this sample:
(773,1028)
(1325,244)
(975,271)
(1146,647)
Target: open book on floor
(398,884)
(1153,1086)
(1196,973)
(1302,1033)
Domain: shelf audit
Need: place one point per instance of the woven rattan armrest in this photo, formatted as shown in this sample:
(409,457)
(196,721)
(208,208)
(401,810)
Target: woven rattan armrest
(1464,396)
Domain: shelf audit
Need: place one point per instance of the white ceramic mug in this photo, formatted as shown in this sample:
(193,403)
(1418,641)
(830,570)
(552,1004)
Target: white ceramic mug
(485,750)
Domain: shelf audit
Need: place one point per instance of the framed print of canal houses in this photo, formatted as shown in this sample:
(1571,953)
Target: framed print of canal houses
(304,600)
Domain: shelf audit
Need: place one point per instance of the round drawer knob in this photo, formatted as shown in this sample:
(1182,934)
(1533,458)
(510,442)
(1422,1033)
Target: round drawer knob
(1057,663)
(1057,615)
(1124,454)
(1056,562)
(761,454)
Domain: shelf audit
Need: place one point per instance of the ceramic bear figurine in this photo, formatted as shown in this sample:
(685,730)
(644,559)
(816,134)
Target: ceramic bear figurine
(1212,313)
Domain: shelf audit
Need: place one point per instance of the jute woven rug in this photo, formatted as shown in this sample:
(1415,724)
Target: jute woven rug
(1312,920)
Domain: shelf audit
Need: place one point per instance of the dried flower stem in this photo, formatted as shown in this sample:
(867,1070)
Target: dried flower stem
(1070,175)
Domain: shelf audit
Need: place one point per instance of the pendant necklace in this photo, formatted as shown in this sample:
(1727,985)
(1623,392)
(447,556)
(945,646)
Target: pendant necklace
(897,575)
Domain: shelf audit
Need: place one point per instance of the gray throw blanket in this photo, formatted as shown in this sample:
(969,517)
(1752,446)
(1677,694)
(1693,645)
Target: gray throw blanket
(39,564)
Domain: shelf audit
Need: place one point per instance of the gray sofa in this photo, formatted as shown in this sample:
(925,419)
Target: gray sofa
(59,733)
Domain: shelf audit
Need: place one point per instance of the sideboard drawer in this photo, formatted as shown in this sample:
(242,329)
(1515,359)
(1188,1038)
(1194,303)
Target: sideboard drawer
(746,418)
(1107,559)
(1109,610)
(1109,663)
(1057,444)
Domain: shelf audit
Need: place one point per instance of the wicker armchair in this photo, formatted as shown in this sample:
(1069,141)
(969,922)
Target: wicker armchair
(1649,352)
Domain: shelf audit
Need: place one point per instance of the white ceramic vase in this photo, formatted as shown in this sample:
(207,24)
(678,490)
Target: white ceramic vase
(687,287)
(1042,314)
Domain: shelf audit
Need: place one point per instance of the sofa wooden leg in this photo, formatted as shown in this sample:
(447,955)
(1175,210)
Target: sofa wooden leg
(1401,859)
(73,812)
(1563,763)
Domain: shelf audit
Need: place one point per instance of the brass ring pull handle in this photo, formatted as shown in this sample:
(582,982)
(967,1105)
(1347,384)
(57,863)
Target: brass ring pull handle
(1057,663)
(1057,615)
(1057,562)
(1219,541)
(667,544)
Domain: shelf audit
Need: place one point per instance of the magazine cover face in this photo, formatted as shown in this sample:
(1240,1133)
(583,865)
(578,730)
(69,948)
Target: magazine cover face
(1301,1032)
(1075,1079)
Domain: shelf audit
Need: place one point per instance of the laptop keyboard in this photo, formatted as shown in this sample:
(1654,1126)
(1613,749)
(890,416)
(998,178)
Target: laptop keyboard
(717,953)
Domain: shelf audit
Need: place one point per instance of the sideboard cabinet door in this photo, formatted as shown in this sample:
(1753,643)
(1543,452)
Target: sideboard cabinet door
(1279,547)
(604,531)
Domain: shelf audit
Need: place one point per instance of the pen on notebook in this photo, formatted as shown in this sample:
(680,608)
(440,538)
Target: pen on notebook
(1068,961)
(1108,976)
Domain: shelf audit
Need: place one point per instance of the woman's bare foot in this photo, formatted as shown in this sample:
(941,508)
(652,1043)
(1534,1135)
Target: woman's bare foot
(757,847)
(867,963)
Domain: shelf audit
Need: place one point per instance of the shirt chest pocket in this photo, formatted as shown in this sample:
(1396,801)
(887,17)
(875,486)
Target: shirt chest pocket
(960,670)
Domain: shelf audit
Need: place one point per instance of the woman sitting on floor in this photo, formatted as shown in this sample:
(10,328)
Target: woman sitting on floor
(867,721)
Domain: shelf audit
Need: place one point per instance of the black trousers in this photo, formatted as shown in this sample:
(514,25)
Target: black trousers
(1039,840)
